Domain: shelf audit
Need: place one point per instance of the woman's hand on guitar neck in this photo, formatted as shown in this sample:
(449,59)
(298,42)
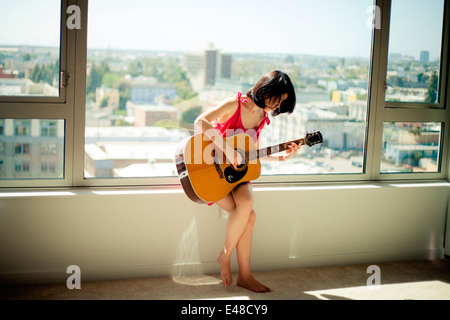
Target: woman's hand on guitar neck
(292,151)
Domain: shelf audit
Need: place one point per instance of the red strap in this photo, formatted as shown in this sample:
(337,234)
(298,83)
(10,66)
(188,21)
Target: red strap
(266,118)
(239,99)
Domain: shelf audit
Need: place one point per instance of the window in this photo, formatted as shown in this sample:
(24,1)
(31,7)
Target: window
(22,127)
(415,115)
(22,168)
(22,148)
(36,103)
(415,45)
(108,105)
(48,128)
(411,147)
(30,63)
(143,96)
(48,167)
(49,148)
(25,151)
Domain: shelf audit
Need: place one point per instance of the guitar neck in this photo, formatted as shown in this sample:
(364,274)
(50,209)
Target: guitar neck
(260,153)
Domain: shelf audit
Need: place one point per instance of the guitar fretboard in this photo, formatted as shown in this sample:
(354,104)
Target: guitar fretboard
(260,153)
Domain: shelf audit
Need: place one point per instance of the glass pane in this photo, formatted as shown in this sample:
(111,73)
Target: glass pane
(411,147)
(31,149)
(30,48)
(144,91)
(415,50)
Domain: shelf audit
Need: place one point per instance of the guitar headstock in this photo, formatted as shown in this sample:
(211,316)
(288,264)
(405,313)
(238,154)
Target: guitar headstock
(313,138)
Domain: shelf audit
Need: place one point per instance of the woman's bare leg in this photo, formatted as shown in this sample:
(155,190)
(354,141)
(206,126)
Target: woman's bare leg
(239,235)
(227,204)
(243,250)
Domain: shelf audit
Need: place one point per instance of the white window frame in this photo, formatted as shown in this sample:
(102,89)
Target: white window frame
(410,112)
(57,108)
(63,62)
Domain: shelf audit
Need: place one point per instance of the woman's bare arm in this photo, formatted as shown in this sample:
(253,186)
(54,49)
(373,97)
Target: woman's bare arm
(222,112)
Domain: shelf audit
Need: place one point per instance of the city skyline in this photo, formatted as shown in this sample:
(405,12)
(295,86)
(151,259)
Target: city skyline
(298,27)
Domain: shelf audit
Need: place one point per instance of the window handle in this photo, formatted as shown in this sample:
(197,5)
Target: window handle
(386,85)
(65,78)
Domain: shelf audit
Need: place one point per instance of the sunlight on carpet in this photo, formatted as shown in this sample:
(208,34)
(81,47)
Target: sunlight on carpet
(424,290)
(199,280)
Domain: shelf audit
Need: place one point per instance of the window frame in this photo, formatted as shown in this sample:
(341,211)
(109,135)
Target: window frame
(72,110)
(410,112)
(55,108)
(443,69)
(63,64)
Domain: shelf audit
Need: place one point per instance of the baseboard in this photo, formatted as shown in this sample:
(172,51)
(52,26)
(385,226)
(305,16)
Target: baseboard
(104,273)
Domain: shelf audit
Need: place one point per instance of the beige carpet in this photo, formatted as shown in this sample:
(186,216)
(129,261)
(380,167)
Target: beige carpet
(416,280)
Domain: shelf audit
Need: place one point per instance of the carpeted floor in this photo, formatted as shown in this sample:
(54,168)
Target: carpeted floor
(413,280)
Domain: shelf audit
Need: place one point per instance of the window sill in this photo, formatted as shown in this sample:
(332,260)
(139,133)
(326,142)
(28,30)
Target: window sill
(176,189)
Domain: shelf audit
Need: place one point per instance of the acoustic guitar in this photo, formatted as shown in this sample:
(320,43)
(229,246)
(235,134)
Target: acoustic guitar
(207,176)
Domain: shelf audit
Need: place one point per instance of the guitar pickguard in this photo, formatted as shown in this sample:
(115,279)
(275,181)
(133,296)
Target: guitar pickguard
(232,175)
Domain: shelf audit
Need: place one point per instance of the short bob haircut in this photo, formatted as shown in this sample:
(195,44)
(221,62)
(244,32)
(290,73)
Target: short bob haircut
(274,85)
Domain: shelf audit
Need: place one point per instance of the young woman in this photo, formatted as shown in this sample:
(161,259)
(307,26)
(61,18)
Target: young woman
(273,92)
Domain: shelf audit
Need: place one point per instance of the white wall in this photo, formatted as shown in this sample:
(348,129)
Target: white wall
(113,234)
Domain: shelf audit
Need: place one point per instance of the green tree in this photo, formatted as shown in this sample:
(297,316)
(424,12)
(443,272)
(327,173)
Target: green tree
(124,93)
(184,91)
(35,74)
(171,72)
(26,57)
(110,79)
(94,80)
(104,102)
(191,114)
(95,77)
(431,95)
(135,68)
(44,73)
(104,67)
(188,117)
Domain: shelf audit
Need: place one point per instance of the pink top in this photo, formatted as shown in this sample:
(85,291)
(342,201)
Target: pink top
(234,124)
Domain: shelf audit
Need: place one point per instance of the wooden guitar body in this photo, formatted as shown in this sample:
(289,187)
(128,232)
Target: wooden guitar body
(205,175)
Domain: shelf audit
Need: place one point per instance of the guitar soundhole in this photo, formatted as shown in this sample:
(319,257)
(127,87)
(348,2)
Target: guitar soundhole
(232,175)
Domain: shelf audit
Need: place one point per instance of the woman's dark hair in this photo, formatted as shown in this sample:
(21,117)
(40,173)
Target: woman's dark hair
(274,85)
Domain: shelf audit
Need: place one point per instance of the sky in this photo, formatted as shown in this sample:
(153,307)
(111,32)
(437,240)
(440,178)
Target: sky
(416,25)
(319,27)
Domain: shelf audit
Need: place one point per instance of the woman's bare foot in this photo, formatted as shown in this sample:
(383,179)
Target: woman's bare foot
(225,270)
(252,284)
